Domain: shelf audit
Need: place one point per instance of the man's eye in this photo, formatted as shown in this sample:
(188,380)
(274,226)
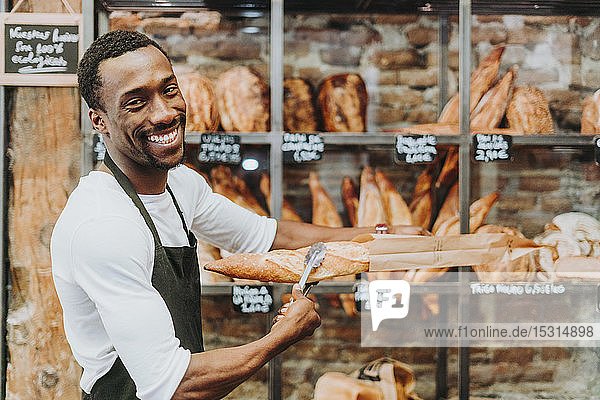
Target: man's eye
(171,90)
(134,103)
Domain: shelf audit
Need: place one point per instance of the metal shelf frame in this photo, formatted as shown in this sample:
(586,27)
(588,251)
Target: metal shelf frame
(98,17)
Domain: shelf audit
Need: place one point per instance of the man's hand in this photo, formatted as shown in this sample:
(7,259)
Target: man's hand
(409,230)
(298,318)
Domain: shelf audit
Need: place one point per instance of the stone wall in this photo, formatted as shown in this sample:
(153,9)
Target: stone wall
(397,55)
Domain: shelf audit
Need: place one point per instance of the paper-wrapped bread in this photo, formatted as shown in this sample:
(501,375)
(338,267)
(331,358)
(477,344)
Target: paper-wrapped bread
(590,115)
(528,111)
(343,100)
(198,91)
(298,107)
(243,100)
(342,258)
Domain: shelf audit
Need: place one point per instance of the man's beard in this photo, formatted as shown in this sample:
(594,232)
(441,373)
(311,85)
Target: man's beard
(155,162)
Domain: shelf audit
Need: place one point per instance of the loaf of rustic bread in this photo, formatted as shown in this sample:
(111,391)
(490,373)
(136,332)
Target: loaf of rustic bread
(528,111)
(199,94)
(590,115)
(343,102)
(243,100)
(298,107)
(342,258)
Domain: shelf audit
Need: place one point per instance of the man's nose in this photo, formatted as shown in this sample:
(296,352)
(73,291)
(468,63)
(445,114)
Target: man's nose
(162,112)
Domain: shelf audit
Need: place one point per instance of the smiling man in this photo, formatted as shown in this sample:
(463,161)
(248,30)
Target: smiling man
(124,248)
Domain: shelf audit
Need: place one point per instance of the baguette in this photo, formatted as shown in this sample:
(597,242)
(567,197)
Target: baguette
(448,209)
(324,212)
(420,209)
(370,204)
(350,200)
(286,266)
(287,211)
(449,172)
(491,108)
(395,207)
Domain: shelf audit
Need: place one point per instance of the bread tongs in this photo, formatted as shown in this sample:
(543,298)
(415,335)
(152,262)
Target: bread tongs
(314,258)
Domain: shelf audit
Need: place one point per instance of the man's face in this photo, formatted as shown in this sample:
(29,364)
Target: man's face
(145,111)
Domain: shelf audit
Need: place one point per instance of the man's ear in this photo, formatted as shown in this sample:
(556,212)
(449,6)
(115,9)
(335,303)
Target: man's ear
(97,121)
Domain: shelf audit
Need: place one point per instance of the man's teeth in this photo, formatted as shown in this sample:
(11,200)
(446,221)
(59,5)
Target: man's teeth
(164,139)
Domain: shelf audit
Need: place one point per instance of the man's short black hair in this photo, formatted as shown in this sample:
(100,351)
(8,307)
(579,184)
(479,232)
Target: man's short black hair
(110,45)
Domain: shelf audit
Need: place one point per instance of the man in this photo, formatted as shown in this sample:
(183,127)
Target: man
(123,250)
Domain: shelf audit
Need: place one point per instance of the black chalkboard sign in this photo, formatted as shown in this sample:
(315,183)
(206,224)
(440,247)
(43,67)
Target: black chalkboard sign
(597,149)
(413,149)
(220,147)
(302,147)
(491,147)
(249,299)
(40,49)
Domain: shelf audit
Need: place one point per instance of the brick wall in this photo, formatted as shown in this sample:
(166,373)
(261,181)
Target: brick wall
(397,55)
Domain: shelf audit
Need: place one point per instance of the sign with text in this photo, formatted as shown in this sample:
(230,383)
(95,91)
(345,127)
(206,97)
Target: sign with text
(250,299)
(413,149)
(597,149)
(40,49)
(491,147)
(302,147)
(220,147)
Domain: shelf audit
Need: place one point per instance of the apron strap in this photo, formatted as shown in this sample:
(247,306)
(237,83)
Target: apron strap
(127,186)
(190,236)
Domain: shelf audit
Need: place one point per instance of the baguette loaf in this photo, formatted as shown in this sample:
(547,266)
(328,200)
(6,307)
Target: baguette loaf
(287,211)
(491,108)
(449,172)
(370,205)
(350,197)
(342,258)
(395,207)
(324,212)
(449,209)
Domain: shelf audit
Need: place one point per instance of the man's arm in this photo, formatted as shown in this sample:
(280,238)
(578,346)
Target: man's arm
(293,235)
(215,373)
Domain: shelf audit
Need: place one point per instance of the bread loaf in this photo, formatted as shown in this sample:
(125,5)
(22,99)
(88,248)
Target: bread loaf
(421,204)
(590,115)
(350,198)
(449,208)
(298,107)
(324,212)
(528,111)
(287,211)
(449,172)
(343,102)
(370,204)
(198,91)
(342,258)
(243,100)
(491,108)
(395,207)
(481,81)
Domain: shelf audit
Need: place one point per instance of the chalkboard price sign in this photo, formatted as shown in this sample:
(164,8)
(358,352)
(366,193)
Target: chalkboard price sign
(40,49)
(302,147)
(251,299)
(220,147)
(597,149)
(491,147)
(413,149)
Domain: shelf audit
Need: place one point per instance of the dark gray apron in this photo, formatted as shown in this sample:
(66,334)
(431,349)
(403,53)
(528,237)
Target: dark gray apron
(176,277)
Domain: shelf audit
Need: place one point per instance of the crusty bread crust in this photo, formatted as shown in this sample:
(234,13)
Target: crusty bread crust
(342,258)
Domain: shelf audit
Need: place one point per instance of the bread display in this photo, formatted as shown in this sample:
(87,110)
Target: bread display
(481,81)
(298,108)
(528,111)
(324,212)
(243,100)
(590,115)
(223,183)
(343,103)
(287,211)
(198,91)
(394,205)
(342,258)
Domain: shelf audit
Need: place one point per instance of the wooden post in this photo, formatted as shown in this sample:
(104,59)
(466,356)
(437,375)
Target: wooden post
(44,154)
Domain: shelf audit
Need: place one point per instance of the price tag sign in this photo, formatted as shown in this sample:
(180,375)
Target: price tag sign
(491,147)
(411,149)
(597,149)
(302,147)
(221,148)
(250,299)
